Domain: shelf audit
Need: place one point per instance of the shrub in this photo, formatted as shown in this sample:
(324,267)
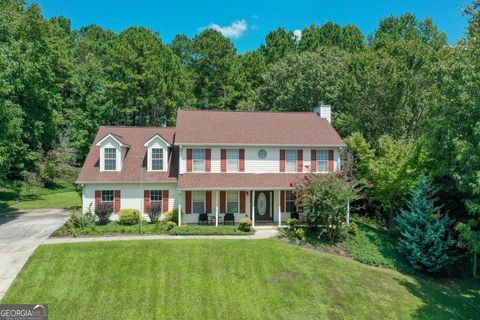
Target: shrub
(82,220)
(353,229)
(172,215)
(292,222)
(103,212)
(171,225)
(293,231)
(128,216)
(245,224)
(154,212)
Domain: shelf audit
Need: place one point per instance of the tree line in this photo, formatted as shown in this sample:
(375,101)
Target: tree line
(406,101)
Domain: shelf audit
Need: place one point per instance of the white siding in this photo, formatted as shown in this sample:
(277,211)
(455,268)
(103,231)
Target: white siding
(111,143)
(157,143)
(131,194)
(253,164)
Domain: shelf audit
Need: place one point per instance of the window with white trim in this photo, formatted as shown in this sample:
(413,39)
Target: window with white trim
(110,159)
(107,196)
(198,160)
(291,160)
(198,202)
(232,202)
(290,201)
(322,160)
(157,159)
(232,160)
(156,197)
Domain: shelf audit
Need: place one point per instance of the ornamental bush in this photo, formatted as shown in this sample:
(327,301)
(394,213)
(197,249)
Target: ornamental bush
(103,211)
(245,224)
(154,212)
(172,215)
(425,238)
(128,216)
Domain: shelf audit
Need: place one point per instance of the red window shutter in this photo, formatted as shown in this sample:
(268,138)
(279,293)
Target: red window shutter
(282,160)
(242,201)
(282,201)
(208,201)
(208,157)
(98,197)
(189,160)
(117,200)
(146,201)
(331,166)
(241,160)
(188,202)
(300,161)
(165,200)
(313,160)
(223,158)
(223,198)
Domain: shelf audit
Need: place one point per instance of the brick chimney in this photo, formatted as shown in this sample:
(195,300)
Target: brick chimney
(323,111)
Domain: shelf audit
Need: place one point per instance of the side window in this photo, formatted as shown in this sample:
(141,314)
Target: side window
(232,202)
(107,196)
(290,201)
(198,202)
(322,160)
(198,159)
(156,198)
(291,160)
(232,160)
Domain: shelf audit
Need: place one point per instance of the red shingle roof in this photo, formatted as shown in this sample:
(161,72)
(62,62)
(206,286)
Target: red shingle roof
(239,181)
(258,128)
(131,171)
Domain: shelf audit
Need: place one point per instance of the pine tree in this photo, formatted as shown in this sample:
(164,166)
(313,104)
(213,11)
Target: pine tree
(425,237)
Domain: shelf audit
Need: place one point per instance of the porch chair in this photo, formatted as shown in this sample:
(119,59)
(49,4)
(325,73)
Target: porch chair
(203,218)
(229,217)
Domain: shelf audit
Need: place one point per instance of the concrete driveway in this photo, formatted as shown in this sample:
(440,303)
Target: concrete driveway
(20,235)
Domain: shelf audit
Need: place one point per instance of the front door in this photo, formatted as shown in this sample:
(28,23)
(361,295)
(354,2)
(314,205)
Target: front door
(263,205)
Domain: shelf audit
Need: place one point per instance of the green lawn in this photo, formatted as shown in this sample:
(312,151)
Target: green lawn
(227,279)
(63,196)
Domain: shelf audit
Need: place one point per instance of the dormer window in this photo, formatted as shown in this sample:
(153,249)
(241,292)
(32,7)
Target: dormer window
(110,159)
(157,159)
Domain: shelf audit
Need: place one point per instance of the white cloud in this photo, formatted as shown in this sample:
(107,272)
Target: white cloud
(234,30)
(297,34)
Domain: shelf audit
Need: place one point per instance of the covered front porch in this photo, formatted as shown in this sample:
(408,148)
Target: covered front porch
(264,207)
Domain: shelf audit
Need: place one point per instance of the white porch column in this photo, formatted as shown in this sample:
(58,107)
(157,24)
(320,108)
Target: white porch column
(279,208)
(179,208)
(253,208)
(217,200)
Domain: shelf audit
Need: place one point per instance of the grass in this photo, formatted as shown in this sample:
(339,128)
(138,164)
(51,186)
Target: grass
(32,197)
(228,279)
(114,228)
(374,246)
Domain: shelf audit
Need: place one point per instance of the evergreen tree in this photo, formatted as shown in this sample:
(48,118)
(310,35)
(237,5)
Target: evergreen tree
(425,238)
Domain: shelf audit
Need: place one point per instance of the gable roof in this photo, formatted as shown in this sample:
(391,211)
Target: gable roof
(131,171)
(254,128)
(119,139)
(155,137)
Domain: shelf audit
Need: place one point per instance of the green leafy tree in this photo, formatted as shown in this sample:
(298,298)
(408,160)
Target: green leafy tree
(278,44)
(326,198)
(349,38)
(425,234)
(300,81)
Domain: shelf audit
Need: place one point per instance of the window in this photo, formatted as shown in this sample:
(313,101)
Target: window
(232,160)
(198,159)
(156,197)
(157,159)
(198,202)
(322,160)
(291,160)
(107,196)
(232,202)
(290,202)
(262,154)
(110,159)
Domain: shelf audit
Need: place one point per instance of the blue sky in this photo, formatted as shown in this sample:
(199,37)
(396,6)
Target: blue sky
(247,22)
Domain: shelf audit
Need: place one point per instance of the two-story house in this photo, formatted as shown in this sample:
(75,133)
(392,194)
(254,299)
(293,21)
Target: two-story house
(212,162)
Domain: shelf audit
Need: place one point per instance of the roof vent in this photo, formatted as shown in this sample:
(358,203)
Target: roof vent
(323,111)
